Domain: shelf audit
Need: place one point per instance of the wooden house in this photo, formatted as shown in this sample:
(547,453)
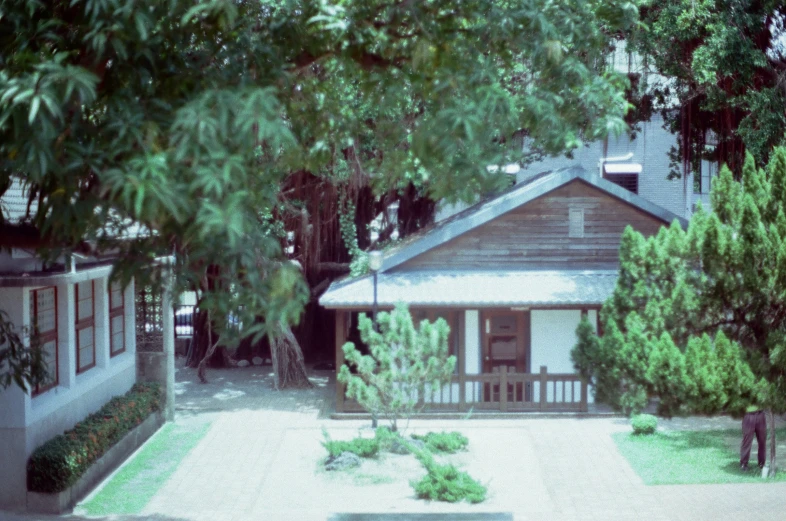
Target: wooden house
(512,276)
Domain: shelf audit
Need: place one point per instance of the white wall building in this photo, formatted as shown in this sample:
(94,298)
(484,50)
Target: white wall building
(86,327)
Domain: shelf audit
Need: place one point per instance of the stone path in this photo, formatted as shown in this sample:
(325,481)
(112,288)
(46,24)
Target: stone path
(260,460)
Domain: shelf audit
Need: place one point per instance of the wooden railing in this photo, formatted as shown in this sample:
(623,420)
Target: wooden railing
(503,391)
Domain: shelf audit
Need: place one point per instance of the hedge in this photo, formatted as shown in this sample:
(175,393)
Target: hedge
(60,462)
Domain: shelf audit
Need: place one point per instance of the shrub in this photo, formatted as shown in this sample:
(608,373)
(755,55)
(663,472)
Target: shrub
(60,462)
(446,482)
(363,447)
(448,442)
(386,438)
(644,424)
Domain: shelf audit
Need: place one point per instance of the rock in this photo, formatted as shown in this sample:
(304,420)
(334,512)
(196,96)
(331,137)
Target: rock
(257,360)
(243,363)
(399,447)
(345,460)
(232,362)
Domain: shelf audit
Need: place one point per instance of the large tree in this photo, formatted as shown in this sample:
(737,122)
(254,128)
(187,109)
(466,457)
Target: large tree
(721,77)
(189,127)
(698,317)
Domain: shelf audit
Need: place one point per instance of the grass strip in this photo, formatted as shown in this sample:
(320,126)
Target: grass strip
(692,457)
(135,484)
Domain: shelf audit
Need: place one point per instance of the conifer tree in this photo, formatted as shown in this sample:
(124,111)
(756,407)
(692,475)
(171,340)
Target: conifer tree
(404,364)
(698,317)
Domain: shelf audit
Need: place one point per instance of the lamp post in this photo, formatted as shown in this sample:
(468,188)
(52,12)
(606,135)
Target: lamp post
(374,264)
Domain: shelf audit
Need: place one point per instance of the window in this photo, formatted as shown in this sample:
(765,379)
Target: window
(43,326)
(451,317)
(117,320)
(85,327)
(629,182)
(576,223)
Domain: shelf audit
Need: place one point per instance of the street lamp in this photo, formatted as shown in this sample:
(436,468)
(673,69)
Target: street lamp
(374,264)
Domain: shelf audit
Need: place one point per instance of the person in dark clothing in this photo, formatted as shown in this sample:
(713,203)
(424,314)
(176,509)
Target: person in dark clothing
(754,422)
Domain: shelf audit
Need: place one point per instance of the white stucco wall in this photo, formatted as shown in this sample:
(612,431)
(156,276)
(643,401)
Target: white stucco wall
(472,352)
(553,337)
(27,422)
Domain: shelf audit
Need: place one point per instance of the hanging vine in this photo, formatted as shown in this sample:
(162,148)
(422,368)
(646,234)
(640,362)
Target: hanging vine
(359,259)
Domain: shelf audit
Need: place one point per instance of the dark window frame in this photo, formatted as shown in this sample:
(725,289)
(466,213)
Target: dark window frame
(85,323)
(44,338)
(119,311)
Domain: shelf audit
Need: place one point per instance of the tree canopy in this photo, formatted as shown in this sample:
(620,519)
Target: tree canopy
(698,317)
(724,63)
(148,128)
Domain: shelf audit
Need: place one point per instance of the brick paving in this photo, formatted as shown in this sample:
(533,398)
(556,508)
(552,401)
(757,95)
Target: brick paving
(260,461)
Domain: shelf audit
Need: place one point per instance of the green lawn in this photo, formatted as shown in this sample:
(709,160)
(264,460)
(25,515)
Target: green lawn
(132,487)
(685,457)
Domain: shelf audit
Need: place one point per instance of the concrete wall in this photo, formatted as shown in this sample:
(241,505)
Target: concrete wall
(18,261)
(27,422)
(650,149)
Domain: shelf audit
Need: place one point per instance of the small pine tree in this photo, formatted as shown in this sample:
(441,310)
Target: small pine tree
(404,364)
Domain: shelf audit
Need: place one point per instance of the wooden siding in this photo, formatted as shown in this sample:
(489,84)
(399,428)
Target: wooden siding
(535,235)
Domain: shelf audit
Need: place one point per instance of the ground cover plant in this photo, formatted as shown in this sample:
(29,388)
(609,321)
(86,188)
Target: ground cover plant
(444,482)
(363,447)
(448,442)
(690,457)
(132,487)
(60,462)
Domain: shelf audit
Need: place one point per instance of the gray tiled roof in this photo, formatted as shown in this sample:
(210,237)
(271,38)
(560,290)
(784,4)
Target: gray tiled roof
(520,194)
(474,288)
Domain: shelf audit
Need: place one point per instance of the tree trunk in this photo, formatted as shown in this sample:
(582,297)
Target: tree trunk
(773,461)
(204,341)
(289,369)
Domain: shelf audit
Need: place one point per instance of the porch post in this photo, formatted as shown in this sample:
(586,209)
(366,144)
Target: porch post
(503,388)
(341,338)
(543,386)
(584,405)
(461,362)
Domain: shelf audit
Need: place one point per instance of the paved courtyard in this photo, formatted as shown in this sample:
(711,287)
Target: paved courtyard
(260,461)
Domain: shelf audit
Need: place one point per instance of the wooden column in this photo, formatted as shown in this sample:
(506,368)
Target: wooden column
(584,400)
(503,388)
(462,363)
(543,390)
(341,338)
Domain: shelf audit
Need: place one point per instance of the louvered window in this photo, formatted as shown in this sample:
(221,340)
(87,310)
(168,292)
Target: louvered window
(43,326)
(576,223)
(85,327)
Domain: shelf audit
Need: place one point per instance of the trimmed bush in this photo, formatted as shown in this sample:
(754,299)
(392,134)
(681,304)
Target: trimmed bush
(644,424)
(446,482)
(363,447)
(60,462)
(447,442)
